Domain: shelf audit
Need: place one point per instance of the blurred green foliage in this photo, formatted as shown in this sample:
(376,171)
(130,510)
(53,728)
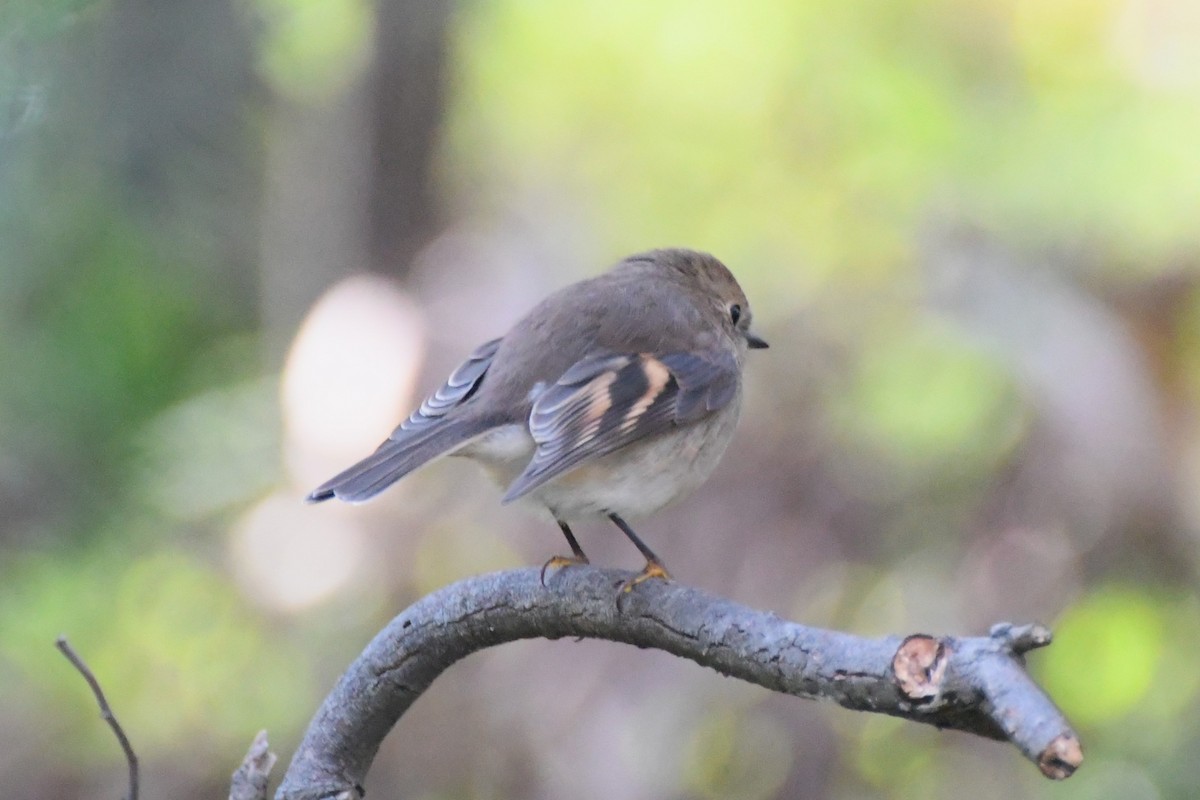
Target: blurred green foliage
(1113,646)
(169,634)
(738,753)
(314,48)
(929,399)
(768,128)
(891,761)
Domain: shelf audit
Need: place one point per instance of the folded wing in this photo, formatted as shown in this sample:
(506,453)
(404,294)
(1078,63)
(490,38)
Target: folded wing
(606,402)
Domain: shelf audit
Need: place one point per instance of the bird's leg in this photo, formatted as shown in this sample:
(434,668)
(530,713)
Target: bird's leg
(654,567)
(575,559)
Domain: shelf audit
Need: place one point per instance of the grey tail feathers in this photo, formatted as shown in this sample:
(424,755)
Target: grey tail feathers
(392,461)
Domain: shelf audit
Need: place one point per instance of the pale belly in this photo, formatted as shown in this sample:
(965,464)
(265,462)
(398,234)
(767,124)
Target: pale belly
(634,481)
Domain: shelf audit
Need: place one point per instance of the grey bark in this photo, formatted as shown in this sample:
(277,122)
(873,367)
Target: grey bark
(976,684)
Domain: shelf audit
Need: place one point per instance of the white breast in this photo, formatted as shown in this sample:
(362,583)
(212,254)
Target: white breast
(644,477)
(635,481)
(503,451)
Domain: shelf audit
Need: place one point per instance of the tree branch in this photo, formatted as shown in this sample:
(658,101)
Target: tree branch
(106,712)
(977,684)
(250,779)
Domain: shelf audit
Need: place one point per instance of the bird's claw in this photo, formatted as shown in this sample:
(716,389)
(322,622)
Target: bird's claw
(558,562)
(653,569)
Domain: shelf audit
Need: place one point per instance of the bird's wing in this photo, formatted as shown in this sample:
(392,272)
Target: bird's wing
(425,435)
(605,402)
(458,388)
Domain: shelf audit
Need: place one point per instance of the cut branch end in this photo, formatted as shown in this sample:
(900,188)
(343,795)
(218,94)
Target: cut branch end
(1061,758)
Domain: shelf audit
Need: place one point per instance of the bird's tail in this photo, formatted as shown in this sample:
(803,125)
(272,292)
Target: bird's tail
(394,459)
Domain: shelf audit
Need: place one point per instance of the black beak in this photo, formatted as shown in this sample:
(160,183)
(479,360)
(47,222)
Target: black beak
(755,342)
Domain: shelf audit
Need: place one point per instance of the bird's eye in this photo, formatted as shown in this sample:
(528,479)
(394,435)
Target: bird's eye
(735,313)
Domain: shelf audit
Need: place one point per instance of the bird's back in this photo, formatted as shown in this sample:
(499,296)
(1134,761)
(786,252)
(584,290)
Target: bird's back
(612,313)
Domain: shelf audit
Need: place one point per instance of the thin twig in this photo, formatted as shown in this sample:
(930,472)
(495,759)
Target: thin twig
(106,712)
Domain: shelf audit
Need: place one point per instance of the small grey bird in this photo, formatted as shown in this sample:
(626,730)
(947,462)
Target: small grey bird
(613,397)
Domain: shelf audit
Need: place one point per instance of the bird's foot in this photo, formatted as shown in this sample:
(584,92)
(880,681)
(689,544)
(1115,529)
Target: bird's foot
(558,562)
(653,569)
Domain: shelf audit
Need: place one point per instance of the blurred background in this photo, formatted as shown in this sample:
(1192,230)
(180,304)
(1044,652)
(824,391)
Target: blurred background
(240,239)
